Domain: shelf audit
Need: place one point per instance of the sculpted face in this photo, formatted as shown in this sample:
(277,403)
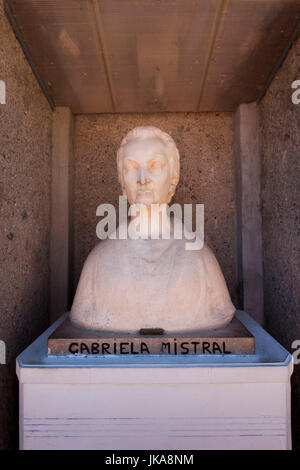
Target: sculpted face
(146,171)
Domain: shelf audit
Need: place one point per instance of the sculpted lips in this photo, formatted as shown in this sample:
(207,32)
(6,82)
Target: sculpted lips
(144,192)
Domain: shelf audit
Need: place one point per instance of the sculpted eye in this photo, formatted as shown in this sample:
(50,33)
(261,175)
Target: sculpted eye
(156,165)
(130,165)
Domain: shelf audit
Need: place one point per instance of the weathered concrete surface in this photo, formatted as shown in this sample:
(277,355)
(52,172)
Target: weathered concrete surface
(248,209)
(61,209)
(205,143)
(25,157)
(280,120)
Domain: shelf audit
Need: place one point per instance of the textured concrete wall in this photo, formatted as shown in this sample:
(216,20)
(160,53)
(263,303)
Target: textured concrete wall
(25,157)
(205,143)
(280,197)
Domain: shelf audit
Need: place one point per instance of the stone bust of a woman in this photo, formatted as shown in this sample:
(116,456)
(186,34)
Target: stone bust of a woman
(129,284)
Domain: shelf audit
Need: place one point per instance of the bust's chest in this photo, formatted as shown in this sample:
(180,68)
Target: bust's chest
(151,277)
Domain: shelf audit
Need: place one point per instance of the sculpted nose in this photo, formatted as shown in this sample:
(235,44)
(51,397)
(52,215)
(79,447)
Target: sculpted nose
(143,176)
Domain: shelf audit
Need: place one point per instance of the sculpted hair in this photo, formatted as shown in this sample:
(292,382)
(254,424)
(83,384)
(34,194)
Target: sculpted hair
(145,132)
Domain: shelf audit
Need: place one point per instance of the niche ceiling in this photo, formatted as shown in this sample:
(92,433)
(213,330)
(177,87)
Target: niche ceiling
(106,56)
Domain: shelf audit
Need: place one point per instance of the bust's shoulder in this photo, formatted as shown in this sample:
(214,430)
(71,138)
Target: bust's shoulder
(204,258)
(101,247)
(204,252)
(208,255)
(106,250)
(207,251)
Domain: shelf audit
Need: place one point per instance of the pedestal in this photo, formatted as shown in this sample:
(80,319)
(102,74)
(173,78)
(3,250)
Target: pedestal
(70,339)
(156,401)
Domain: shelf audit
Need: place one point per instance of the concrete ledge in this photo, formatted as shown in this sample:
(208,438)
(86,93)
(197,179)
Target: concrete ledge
(269,353)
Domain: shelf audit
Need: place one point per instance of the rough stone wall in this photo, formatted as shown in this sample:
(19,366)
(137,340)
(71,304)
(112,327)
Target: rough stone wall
(25,169)
(205,143)
(280,120)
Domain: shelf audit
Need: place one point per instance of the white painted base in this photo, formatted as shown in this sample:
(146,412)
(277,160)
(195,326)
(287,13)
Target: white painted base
(156,402)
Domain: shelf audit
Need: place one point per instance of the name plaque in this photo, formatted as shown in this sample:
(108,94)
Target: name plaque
(72,340)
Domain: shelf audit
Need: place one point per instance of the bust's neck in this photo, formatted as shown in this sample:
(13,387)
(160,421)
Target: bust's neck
(149,221)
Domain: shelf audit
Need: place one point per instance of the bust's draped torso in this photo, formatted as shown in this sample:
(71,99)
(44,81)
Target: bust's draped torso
(129,284)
